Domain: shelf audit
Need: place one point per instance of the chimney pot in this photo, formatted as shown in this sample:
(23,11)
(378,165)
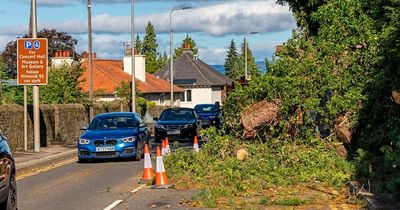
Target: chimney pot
(68,54)
(94,55)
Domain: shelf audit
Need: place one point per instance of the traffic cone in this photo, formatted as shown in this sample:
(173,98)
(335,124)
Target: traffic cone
(148,172)
(167,148)
(163,147)
(161,175)
(196,144)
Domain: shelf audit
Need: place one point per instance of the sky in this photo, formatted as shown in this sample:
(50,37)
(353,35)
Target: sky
(211,23)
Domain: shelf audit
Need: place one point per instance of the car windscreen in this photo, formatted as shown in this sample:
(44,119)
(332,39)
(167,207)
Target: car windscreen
(112,122)
(177,115)
(205,108)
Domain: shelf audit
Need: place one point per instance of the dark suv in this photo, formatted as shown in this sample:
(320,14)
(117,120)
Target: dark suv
(177,124)
(8,185)
(208,115)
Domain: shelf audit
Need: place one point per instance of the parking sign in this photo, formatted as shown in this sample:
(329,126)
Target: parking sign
(32,61)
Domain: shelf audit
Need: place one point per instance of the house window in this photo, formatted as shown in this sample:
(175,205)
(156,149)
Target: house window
(189,95)
(161,98)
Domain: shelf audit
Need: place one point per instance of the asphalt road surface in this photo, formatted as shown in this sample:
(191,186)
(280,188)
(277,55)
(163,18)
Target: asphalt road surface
(98,185)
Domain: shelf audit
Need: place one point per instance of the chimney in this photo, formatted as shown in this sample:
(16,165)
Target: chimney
(94,55)
(140,63)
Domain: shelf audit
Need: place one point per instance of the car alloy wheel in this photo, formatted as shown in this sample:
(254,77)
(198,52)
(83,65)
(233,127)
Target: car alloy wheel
(12,194)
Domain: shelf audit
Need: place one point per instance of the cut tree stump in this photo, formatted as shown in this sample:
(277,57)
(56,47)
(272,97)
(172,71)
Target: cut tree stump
(343,131)
(396,96)
(259,114)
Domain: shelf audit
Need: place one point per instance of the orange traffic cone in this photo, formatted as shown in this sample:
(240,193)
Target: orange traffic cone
(196,144)
(148,172)
(167,148)
(163,147)
(161,175)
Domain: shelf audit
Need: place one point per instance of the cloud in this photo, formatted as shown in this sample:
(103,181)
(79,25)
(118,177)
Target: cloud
(50,3)
(216,20)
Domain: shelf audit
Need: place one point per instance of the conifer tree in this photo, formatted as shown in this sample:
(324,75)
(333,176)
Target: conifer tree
(138,45)
(191,42)
(252,68)
(149,48)
(231,60)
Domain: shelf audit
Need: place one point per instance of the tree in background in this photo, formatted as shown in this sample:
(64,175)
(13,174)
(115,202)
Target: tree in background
(252,68)
(231,61)
(149,47)
(303,10)
(63,86)
(57,41)
(138,44)
(191,42)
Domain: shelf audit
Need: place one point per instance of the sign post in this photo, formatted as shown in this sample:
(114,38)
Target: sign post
(32,61)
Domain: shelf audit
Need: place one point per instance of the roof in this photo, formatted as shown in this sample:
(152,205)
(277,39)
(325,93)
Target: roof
(108,114)
(108,75)
(190,69)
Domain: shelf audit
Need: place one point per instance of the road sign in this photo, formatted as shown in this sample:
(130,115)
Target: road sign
(32,61)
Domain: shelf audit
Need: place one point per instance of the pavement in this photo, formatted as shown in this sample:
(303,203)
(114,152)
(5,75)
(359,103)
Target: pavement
(26,160)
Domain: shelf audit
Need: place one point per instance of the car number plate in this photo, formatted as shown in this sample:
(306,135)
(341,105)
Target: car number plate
(174,132)
(105,149)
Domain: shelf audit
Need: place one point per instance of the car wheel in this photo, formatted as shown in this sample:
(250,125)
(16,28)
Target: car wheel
(11,202)
(81,160)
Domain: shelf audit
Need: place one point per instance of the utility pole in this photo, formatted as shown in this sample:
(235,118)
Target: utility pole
(36,119)
(133,55)
(91,112)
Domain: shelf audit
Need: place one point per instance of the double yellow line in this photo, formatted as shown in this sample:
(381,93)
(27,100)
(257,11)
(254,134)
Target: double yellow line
(46,168)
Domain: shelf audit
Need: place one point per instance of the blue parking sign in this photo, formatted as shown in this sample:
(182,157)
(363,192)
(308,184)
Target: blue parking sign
(36,45)
(28,45)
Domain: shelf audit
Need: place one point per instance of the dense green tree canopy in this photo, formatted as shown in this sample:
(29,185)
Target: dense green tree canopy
(231,60)
(341,65)
(149,47)
(187,41)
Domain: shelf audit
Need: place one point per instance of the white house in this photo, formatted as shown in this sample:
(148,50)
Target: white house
(202,83)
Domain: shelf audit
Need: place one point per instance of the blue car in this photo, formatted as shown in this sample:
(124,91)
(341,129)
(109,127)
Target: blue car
(208,115)
(113,135)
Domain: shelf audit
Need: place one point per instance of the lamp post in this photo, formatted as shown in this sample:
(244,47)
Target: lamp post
(133,55)
(245,54)
(90,59)
(171,41)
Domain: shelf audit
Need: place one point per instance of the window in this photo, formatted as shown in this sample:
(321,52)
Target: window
(189,95)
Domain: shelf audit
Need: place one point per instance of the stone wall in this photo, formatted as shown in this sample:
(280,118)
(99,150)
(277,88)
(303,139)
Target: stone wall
(60,123)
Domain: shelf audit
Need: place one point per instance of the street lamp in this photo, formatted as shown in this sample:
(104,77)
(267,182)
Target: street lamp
(133,55)
(245,54)
(171,41)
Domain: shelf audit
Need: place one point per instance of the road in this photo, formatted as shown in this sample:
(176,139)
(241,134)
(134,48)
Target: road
(98,185)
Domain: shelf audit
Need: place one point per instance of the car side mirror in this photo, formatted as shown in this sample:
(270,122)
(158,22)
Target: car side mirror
(83,128)
(155,118)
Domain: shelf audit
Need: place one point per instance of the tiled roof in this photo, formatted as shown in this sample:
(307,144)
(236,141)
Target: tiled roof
(189,68)
(108,75)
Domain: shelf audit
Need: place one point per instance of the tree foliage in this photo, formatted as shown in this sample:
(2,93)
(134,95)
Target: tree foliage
(187,41)
(63,86)
(149,47)
(235,62)
(231,60)
(344,65)
(57,41)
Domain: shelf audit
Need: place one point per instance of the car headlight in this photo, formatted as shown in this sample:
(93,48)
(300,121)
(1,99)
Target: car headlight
(188,126)
(129,139)
(160,126)
(84,141)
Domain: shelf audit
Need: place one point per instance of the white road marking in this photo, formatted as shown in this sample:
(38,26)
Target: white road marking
(138,188)
(113,205)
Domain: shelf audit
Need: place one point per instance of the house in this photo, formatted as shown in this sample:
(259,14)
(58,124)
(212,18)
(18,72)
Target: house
(109,74)
(201,83)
